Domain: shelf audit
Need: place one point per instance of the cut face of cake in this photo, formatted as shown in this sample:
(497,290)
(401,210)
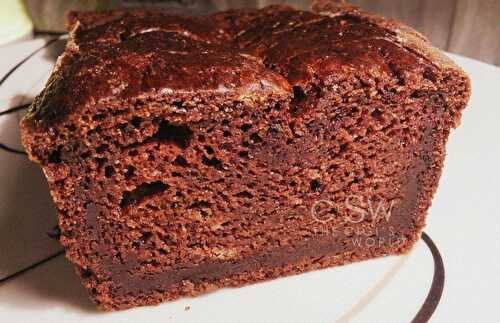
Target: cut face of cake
(186,154)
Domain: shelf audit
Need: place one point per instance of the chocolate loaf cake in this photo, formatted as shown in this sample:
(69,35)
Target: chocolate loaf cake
(186,154)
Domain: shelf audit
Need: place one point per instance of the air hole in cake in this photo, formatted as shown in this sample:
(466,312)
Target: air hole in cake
(100,161)
(377,114)
(129,172)
(212,162)
(55,156)
(176,174)
(180,135)
(315,185)
(397,74)
(429,75)
(200,204)
(146,236)
(85,273)
(86,183)
(85,155)
(243,154)
(98,117)
(136,122)
(178,104)
(343,147)
(102,148)
(180,161)
(245,127)
(123,36)
(209,150)
(70,127)
(255,138)
(244,194)
(226,133)
(142,191)
(417,94)
(298,95)
(315,91)
(108,171)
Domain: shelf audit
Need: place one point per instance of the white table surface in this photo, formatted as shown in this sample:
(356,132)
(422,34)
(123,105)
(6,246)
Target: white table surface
(464,222)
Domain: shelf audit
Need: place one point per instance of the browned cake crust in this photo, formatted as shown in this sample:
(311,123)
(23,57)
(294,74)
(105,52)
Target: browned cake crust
(186,154)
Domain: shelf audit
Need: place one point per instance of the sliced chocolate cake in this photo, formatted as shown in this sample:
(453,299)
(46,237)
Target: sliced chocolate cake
(186,154)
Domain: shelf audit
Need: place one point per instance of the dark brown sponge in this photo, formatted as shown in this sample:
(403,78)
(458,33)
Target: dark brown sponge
(186,154)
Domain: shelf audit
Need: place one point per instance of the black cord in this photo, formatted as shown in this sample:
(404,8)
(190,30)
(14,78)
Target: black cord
(16,151)
(9,111)
(36,264)
(15,109)
(24,60)
(12,150)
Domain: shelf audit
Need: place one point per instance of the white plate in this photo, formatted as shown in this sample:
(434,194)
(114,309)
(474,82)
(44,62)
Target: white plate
(464,223)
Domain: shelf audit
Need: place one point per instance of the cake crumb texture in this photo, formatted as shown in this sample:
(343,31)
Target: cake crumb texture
(185,154)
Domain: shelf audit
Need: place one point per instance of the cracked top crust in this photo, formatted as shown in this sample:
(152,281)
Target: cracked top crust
(239,54)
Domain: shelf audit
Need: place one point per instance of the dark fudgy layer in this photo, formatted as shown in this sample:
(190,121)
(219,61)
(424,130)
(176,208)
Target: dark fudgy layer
(391,235)
(188,153)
